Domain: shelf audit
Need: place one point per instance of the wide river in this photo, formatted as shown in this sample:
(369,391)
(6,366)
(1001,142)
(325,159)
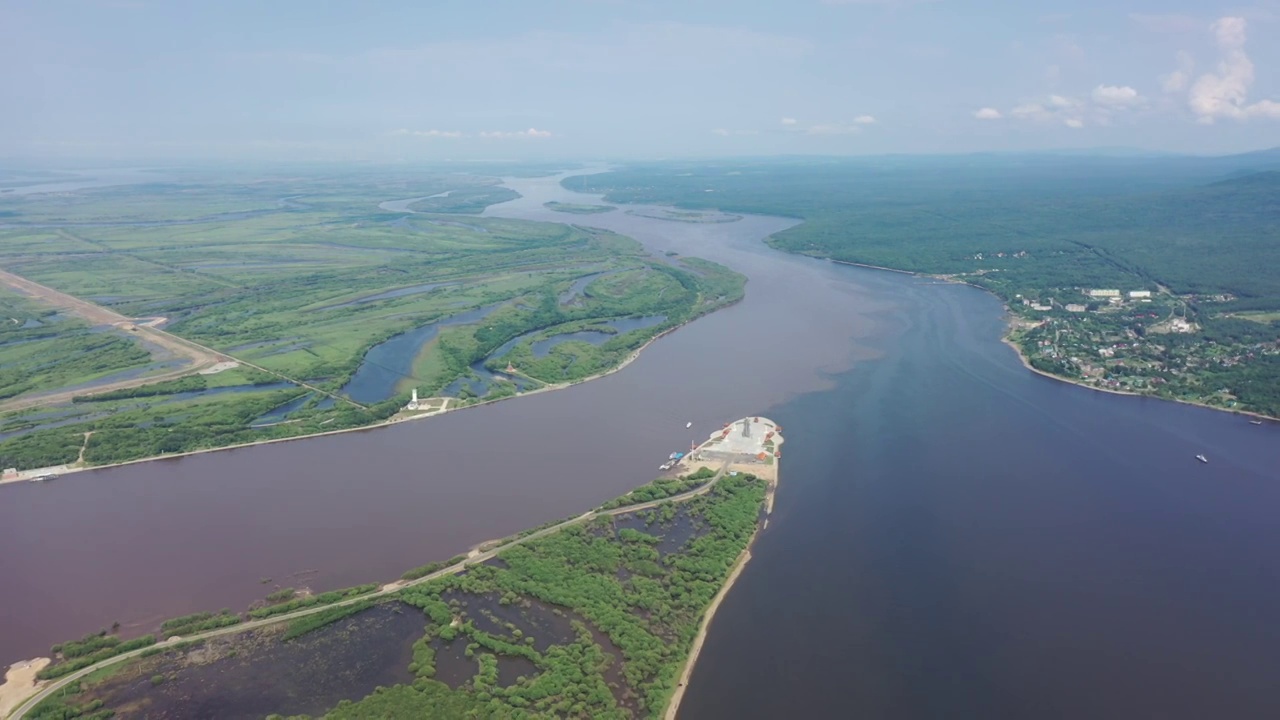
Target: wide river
(954,536)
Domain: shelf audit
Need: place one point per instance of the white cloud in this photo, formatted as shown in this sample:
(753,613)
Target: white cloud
(501,134)
(1114,96)
(1030,111)
(1171,23)
(721,132)
(788,121)
(833,129)
(1056,108)
(987,113)
(1225,94)
(1177,80)
(428,133)
(865,120)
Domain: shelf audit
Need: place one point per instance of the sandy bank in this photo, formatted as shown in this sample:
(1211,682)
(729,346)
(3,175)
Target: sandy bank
(19,683)
(673,706)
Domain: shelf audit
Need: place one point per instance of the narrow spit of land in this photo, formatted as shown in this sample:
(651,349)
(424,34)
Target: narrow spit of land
(746,448)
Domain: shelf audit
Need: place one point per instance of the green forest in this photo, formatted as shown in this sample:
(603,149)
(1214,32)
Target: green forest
(1203,234)
(600,616)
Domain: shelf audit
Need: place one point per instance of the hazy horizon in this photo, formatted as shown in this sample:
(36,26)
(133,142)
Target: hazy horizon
(133,80)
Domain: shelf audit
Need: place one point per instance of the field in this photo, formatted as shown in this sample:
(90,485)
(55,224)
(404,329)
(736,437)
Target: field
(334,308)
(594,620)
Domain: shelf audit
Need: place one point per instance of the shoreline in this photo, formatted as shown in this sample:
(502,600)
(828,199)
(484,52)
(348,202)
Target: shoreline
(673,706)
(374,426)
(1007,340)
(1128,393)
(40,690)
(740,564)
(20,683)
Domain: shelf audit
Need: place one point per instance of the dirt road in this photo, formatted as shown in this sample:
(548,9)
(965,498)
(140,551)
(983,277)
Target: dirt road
(198,356)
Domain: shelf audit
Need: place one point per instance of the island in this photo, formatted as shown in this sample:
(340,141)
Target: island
(601,615)
(578,209)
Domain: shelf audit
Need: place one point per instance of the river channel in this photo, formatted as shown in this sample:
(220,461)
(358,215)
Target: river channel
(954,536)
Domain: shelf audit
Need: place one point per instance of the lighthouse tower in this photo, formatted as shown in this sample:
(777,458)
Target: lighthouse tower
(413,401)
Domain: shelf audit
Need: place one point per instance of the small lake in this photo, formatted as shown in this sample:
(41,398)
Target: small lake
(390,362)
(543,347)
(579,286)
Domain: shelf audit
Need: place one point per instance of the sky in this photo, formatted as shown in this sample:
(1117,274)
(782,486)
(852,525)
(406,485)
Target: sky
(631,79)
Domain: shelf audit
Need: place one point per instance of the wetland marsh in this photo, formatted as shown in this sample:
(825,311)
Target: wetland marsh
(330,290)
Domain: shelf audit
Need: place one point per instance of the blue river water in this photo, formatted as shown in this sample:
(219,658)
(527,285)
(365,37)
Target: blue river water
(954,536)
(387,364)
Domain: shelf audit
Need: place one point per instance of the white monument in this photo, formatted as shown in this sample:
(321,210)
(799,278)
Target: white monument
(413,401)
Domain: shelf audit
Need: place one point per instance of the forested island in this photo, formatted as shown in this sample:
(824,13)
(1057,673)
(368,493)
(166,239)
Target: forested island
(596,616)
(578,209)
(1152,275)
(311,307)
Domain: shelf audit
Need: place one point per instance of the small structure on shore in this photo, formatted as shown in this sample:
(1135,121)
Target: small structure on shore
(413,401)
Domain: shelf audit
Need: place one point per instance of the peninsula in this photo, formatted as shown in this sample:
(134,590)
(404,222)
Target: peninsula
(601,615)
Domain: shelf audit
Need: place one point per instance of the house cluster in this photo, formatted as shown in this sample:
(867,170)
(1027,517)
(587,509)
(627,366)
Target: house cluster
(1112,296)
(1115,297)
(983,256)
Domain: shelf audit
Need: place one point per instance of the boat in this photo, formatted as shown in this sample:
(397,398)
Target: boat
(43,478)
(688,425)
(1255,422)
(1202,458)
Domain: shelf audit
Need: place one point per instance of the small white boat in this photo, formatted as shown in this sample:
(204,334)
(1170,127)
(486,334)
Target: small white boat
(688,425)
(1202,458)
(1255,422)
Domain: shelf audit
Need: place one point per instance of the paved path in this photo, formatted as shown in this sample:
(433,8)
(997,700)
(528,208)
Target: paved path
(390,589)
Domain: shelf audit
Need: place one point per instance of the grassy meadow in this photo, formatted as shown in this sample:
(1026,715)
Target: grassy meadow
(302,274)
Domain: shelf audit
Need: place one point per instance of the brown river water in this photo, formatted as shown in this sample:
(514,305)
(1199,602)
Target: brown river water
(954,536)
